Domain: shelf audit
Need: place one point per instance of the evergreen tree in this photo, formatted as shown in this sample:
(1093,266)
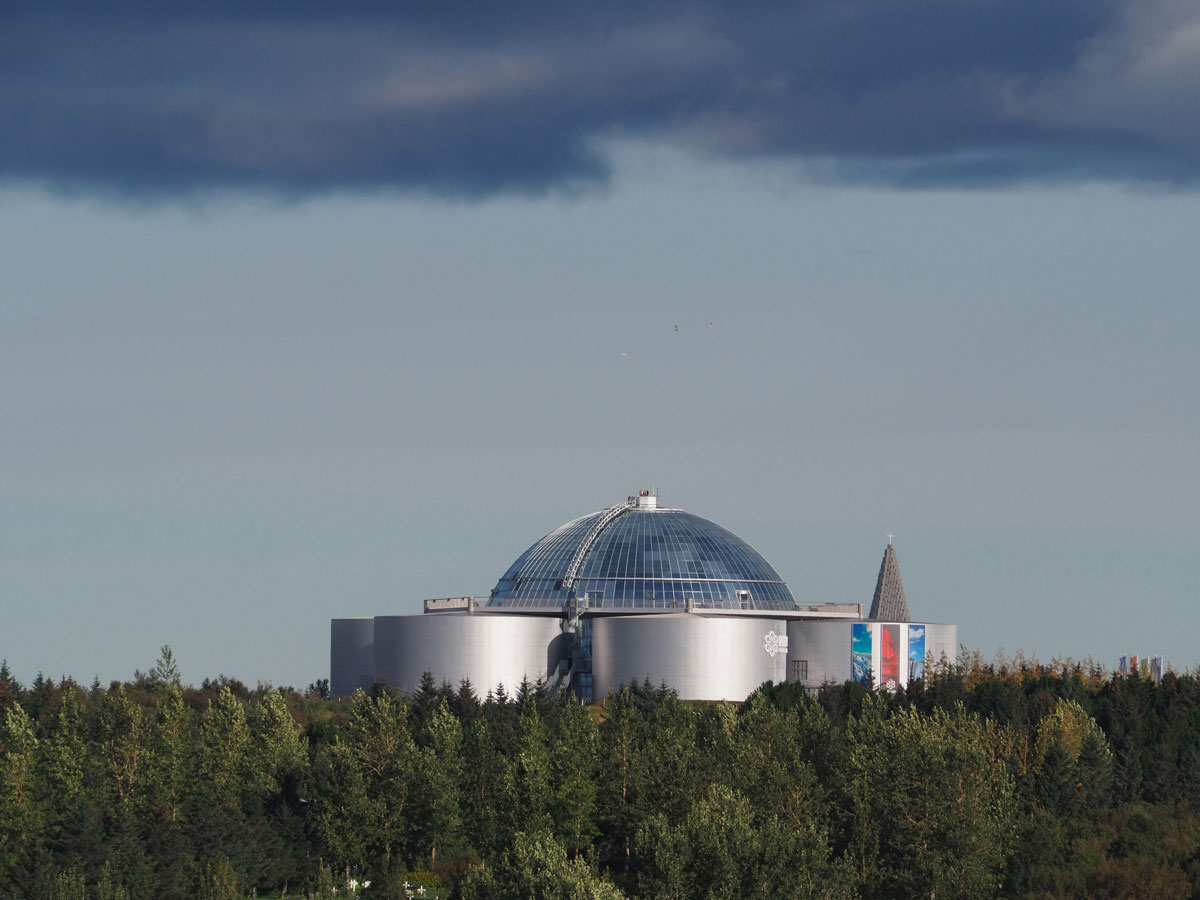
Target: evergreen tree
(797,860)
(224,775)
(63,757)
(933,804)
(169,826)
(439,776)
(665,855)
(10,688)
(214,879)
(109,887)
(1072,764)
(675,775)
(531,770)
(68,885)
(21,815)
(425,700)
(278,750)
(171,757)
(488,792)
(129,871)
(43,699)
(574,757)
(166,671)
(220,791)
(620,790)
(466,703)
(73,830)
(325,887)
(537,868)
(119,757)
(713,853)
(362,820)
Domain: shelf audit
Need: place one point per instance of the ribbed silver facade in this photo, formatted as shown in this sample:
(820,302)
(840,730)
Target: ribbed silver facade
(701,657)
(351,655)
(489,649)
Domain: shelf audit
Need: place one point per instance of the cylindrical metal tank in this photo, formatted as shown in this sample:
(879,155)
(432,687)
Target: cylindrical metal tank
(488,649)
(818,652)
(351,657)
(701,657)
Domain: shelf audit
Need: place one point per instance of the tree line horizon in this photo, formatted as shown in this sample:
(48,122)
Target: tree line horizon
(984,779)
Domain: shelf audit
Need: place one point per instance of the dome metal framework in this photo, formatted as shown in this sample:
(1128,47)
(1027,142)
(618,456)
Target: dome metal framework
(639,556)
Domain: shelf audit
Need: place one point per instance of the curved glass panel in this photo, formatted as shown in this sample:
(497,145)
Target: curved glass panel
(539,571)
(644,559)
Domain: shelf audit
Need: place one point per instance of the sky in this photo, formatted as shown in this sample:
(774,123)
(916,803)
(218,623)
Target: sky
(309,314)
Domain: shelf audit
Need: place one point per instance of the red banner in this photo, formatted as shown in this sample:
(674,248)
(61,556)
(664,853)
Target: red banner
(889,657)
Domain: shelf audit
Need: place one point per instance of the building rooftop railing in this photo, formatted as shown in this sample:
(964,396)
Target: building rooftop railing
(650,605)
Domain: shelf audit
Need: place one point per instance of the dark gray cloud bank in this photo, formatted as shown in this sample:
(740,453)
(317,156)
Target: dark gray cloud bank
(461,99)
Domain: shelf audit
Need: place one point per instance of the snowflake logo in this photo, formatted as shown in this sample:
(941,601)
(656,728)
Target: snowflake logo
(775,643)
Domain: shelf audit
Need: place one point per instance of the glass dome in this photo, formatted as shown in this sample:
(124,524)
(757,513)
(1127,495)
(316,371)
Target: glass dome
(639,556)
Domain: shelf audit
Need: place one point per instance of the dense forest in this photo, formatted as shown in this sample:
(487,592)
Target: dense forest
(1003,779)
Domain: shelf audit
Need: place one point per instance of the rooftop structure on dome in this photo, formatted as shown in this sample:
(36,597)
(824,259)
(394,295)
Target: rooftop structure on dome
(638,555)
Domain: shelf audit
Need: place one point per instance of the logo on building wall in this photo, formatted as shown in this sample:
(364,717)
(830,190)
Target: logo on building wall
(775,643)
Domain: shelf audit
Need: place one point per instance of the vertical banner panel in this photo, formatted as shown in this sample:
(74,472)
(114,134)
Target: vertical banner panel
(889,657)
(860,653)
(916,653)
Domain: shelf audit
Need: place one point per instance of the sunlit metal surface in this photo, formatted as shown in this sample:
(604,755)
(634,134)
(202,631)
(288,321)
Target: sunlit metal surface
(701,657)
(484,648)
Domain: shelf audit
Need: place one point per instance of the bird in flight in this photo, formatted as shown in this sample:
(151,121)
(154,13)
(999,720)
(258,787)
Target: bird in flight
(710,324)
(677,327)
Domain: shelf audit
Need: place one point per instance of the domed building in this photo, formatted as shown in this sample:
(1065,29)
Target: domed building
(640,556)
(639,591)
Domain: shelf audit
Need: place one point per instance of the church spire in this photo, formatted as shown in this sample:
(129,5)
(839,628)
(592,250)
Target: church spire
(889,603)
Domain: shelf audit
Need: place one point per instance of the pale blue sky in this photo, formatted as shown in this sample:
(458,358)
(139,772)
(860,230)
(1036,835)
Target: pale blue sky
(228,422)
(313,310)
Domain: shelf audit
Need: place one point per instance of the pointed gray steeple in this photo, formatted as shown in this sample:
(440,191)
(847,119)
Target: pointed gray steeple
(889,604)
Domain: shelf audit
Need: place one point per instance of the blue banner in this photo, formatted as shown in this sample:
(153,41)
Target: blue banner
(916,652)
(860,653)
